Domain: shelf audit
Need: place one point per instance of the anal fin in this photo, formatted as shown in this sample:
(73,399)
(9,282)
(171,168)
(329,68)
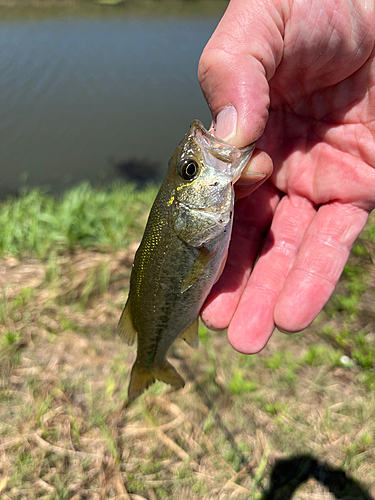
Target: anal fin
(190,335)
(125,326)
(141,378)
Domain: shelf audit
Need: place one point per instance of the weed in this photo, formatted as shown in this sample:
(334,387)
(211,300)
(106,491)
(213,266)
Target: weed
(96,283)
(316,355)
(110,441)
(289,377)
(274,408)
(359,249)
(21,299)
(23,469)
(358,447)
(200,488)
(66,324)
(365,359)
(208,423)
(368,381)
(239,385)
(347,303)
(10,338)
(275,362)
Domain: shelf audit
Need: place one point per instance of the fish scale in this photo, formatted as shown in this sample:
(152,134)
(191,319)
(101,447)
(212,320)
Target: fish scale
(181,255)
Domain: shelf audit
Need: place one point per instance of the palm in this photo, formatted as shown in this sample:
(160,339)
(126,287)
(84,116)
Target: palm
(320,136)
(322,144)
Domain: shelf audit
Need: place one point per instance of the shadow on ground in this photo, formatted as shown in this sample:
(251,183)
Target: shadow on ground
(290,473)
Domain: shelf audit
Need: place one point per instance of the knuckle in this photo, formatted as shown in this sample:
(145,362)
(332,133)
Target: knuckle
(211,60)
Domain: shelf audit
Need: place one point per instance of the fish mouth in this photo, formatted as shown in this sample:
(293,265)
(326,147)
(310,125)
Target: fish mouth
(229,159)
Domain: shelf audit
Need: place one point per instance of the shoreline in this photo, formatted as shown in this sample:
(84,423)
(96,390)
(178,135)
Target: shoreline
(144,8)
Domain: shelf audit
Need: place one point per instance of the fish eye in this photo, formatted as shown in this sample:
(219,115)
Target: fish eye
(188,169)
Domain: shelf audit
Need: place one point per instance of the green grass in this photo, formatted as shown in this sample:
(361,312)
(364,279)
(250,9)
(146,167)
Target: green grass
(105,219)
(239,385)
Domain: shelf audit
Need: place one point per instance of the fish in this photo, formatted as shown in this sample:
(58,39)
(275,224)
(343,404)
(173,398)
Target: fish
(181,255)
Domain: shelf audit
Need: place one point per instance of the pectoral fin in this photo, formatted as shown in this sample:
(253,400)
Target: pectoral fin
(190,335)
(125,327)
(197,269)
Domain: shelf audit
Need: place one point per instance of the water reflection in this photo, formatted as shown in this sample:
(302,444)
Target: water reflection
(76,91)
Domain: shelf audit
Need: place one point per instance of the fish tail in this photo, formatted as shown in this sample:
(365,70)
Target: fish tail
(142,378)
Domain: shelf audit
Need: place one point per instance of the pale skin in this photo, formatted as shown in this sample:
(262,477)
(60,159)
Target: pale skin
(298,77)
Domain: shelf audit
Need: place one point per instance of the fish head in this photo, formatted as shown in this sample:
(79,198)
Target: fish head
(200,179)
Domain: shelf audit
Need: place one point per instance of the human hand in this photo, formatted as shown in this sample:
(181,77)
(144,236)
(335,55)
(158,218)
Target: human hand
(304,73)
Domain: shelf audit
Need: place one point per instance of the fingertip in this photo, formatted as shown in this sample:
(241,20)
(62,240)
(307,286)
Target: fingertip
(290,323)
(259,163)
(256,172)
(221,303)
(252,324)
(214,315)
(300,302)
(237,93)
(248,341)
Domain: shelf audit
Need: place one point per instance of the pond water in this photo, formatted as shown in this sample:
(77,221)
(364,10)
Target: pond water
(94,97)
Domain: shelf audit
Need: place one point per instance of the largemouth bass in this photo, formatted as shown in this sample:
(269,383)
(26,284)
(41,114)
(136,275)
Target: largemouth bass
(182,253)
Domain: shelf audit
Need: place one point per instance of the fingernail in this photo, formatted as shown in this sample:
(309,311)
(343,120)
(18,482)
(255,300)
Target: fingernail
(226,123)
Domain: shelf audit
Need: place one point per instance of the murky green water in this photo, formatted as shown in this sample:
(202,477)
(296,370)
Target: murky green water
(90,92)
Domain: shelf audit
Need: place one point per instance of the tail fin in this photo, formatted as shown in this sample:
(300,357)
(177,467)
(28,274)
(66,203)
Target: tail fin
(141,379)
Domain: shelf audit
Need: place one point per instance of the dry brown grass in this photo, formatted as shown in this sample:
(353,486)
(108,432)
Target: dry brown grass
(66,430)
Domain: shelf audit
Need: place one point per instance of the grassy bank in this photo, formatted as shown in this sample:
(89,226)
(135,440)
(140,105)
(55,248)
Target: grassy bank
(295,421)
(37,224)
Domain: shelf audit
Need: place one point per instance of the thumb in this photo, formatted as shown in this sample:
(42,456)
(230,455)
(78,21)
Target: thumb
(236,65)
